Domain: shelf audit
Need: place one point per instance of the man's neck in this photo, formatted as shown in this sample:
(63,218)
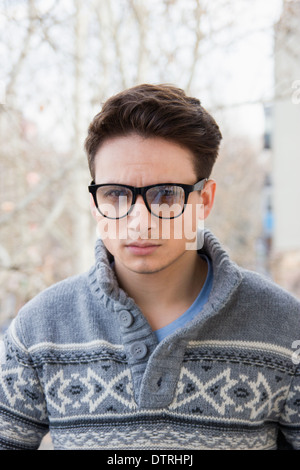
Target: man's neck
(165,295)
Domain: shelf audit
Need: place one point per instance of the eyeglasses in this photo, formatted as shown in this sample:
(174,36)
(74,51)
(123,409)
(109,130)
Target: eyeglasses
(166,201)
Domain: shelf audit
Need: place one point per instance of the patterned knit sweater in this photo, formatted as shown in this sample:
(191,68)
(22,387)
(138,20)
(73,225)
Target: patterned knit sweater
(81,360)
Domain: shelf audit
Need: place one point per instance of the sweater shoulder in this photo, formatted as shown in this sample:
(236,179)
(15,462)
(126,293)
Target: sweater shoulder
(269,303)
(56,295)
(266,290)
(48,315)
(257,311)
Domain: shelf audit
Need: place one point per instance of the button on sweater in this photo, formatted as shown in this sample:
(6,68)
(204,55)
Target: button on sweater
(81,360)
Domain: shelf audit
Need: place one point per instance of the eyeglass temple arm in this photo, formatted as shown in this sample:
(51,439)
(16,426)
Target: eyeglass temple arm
(198,186)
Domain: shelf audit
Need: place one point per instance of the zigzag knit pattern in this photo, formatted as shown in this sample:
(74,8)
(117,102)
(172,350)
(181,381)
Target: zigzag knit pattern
(229,395)
(81,361)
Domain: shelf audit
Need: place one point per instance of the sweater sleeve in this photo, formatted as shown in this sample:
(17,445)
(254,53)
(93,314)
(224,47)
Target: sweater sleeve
(290,418)
(23,416)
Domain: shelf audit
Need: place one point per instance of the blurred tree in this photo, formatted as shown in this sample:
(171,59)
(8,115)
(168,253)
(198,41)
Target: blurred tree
(62,60)
(237,217)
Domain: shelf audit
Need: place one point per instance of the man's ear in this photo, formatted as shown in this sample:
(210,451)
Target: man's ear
(208,197)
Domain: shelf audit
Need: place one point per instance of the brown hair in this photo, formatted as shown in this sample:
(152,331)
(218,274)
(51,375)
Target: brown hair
(157,111)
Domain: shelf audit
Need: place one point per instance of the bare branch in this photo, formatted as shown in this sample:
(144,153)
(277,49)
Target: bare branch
(35,194)
(198,37)
(141,15)
(24,51)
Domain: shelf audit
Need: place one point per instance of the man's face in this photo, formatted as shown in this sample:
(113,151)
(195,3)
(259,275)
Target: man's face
(137,161)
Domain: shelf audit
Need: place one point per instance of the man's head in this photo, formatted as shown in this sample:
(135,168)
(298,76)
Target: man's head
(151,135)
(157,111)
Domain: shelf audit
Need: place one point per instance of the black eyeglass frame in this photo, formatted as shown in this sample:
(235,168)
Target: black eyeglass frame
(188,188)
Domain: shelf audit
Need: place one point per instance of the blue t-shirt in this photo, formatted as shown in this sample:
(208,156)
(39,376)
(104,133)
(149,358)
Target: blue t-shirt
(193,310)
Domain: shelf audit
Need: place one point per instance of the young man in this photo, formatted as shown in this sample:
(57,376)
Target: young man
(163,344)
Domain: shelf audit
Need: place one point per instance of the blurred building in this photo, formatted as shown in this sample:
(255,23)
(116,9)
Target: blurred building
(285,149)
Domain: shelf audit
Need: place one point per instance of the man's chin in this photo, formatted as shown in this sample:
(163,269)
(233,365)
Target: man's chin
(143,267)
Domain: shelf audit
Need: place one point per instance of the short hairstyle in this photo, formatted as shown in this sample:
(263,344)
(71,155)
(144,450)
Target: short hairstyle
(163,111)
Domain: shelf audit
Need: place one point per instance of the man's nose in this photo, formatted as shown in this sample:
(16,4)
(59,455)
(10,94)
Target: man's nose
(141,224)
(139,208)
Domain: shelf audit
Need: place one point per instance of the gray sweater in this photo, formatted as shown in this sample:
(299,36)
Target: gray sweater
(81,360)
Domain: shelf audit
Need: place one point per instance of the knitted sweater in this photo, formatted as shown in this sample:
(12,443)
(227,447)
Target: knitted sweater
(81,360)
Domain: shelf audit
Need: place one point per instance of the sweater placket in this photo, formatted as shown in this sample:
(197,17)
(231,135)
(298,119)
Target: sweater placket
(155,367)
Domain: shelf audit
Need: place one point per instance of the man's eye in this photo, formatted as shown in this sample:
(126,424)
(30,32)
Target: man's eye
(116,193)
(167,192)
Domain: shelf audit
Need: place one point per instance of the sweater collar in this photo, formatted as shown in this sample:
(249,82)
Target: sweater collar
(227,275)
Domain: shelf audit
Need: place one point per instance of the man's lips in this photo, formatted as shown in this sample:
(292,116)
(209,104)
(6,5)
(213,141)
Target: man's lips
(139,248)
(142,244)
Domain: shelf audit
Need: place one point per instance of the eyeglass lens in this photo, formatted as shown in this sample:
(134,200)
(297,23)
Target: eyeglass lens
(164,201)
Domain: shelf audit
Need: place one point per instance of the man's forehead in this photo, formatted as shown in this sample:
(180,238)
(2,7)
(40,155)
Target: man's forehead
(154,159)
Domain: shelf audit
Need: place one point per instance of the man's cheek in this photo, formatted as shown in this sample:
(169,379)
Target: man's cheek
(112,229)
(106,228)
